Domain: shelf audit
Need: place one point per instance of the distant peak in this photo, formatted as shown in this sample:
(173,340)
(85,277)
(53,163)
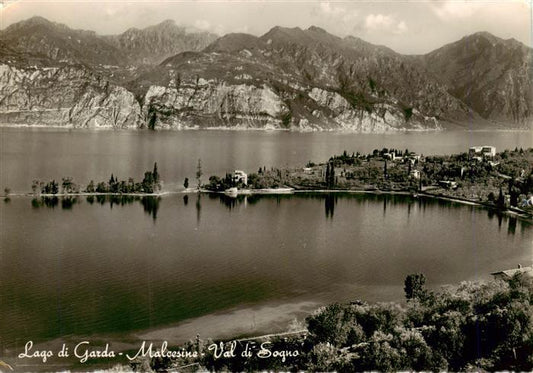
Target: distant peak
(38,19)
(168,25)
(277,29)
(485,35)
(167,22)
(234,42)
(35,20)
(317,29)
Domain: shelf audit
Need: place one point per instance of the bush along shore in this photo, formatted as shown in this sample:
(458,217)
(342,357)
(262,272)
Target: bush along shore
(502,180)
(472,326)
(151,184)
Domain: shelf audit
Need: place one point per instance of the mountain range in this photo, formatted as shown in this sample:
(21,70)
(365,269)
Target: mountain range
(166,76)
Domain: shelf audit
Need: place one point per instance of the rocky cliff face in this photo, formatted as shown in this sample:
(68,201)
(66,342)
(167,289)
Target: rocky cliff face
(213,104)
(64,96)
(317,81)
(382,118)
(218,104)
(288,78)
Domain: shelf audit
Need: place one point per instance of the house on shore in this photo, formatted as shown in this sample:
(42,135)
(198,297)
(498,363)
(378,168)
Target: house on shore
(391,156)
(240,177)
(448,184)
(482,152)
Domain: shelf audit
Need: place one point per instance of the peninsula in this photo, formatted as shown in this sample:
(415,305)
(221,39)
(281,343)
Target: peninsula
(480,175)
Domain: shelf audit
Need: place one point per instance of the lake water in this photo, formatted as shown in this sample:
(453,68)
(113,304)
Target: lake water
(136,268)
(169,268)
(27,154)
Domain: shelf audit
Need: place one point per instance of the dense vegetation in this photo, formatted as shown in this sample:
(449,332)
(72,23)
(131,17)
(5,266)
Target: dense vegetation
(151,183)
(473,326)
(505,180)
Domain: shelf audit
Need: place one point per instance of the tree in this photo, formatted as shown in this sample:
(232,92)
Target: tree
(330,175)
(156,177)
(414,286)
(101,187)
(50,188)
(131,185)
(155,174)
(68,185)
(500,202)
(90,188)
(148,182)
(514,192)
(186,183)
(199,173)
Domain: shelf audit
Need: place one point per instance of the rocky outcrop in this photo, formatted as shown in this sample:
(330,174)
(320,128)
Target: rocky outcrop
(64,96)
(382,118)
(213,104)
(217,104)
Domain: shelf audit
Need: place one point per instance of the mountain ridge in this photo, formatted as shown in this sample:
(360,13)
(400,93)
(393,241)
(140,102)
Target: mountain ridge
(293,78)
(57,41)
(490,74)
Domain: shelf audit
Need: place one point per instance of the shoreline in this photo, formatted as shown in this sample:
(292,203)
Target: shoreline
(84,194)
(258,192)
(263,129)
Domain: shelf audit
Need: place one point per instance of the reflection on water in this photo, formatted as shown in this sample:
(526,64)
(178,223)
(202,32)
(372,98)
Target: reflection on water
(330,201)
(198,208)
(512,225)
(83,266)
(150,203)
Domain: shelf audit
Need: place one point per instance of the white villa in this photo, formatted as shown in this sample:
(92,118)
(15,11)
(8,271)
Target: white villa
(240,176)
(484,151)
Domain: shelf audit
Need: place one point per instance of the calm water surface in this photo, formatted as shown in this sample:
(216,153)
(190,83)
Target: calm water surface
(91,268)
(172,267)
(27,154)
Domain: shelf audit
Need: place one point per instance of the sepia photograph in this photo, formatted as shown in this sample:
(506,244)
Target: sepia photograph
(266,186)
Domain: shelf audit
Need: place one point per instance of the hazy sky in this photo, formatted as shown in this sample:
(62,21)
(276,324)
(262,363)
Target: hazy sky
(405,26)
